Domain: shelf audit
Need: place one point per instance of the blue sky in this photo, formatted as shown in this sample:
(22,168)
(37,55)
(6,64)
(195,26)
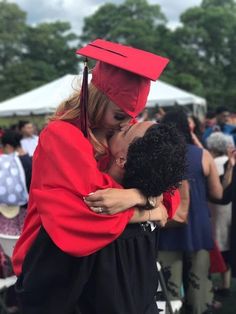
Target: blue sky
(75,10)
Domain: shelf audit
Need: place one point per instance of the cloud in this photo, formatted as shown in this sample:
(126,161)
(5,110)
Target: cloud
(74,11)
(173,8)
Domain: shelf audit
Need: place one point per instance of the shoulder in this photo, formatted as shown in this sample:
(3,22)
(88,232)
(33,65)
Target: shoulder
(60,125)
(208,131)
(206,155)
(230,127)
(208,162)
(63,134)
(61,128)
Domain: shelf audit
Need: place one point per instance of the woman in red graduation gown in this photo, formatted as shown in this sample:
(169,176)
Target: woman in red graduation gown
(56,252)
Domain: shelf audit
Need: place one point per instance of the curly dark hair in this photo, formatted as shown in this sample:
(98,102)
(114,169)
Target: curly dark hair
(156,162)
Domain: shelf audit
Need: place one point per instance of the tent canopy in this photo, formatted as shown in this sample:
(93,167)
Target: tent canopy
(45,99)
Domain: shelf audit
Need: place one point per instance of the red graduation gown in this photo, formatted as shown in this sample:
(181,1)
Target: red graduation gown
(64,170)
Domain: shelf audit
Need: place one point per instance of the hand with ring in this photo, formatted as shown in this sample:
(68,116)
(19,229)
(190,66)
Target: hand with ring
(112,201)
(98,210)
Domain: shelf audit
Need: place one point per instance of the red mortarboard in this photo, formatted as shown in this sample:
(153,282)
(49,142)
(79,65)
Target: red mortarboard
(123,73)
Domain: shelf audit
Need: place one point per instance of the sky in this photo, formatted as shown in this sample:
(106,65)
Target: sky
(74,11)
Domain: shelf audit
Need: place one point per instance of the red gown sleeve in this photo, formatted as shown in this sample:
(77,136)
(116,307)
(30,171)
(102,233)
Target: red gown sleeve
(171,202)
(64,171)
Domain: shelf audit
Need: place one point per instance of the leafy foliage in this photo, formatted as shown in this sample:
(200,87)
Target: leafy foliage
(208,32)
(133,22)
(202,50)
(12,31)
(31,56)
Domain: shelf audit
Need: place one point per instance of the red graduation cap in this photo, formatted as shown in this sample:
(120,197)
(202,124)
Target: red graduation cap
(123,73)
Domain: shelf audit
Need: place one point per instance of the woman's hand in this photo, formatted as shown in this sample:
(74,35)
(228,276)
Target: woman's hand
(228,175)
(158,215)
(113,201)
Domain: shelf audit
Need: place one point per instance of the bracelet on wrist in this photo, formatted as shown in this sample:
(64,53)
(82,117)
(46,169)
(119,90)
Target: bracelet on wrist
(150,203)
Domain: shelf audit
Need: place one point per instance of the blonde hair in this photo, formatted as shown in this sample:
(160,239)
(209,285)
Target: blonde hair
(69,110)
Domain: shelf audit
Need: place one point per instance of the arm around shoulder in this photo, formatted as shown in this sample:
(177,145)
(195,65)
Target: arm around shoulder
(66,156)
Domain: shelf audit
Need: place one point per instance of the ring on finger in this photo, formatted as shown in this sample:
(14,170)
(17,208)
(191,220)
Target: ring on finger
(100,209)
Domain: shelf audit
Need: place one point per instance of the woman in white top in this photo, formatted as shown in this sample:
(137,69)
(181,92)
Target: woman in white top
(221,147)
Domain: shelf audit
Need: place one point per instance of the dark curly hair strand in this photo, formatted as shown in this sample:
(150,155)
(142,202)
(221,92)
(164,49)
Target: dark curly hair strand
(156,162)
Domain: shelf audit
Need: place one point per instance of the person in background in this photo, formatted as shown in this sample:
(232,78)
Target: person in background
(11,223)
(222,124)
(1,134)
(195,131)
(221,147)
(210,119)
(12,216)
(160,112)
(144,116)
(184,251)
(233,227)
(196,127)
(29,140)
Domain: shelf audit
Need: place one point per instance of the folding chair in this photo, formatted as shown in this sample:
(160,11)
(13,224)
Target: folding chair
(7,242)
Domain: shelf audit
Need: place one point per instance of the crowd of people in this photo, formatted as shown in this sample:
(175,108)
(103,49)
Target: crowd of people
(113,190)
(186,261)
(18,143)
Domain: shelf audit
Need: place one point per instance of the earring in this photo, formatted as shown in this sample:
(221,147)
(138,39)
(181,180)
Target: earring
(120,161)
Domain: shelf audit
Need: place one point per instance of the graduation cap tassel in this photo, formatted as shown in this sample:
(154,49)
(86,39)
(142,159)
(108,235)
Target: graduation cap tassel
(84,101)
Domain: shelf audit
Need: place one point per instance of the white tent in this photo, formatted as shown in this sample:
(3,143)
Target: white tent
(41,100)
(44,99)
(166,95)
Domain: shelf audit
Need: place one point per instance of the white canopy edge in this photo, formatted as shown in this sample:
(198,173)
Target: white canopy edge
(46,98)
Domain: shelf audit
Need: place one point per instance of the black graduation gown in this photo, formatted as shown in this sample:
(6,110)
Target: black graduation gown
(119,279)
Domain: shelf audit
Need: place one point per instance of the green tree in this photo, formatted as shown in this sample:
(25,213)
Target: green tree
(50,43)
(143,25)
(133,22)
(12,31)
(32,56)
(207,37)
